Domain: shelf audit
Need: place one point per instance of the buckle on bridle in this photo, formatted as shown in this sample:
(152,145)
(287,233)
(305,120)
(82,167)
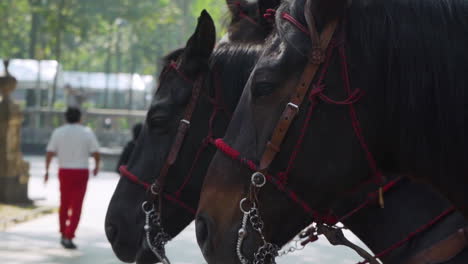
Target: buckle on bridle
(147,208)
(293,106)
(155,189)
(243,208)
(258,179)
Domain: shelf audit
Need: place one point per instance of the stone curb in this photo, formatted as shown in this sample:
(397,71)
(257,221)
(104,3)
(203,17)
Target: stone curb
(33,214)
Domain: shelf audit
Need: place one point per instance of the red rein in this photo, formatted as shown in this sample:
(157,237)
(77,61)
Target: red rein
(127,174)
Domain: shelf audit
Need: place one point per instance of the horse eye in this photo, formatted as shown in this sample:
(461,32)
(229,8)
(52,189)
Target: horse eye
(157,118)
(262,89)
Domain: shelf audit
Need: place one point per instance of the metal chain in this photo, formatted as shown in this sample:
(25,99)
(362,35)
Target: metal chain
(157,244)
(266,252)
(297,243)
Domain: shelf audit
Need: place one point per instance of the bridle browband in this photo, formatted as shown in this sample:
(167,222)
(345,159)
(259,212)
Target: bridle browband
(320,55)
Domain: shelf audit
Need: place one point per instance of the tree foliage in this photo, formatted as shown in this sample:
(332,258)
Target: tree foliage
(101,35)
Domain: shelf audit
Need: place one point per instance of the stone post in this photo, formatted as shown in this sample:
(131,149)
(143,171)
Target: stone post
(14,171)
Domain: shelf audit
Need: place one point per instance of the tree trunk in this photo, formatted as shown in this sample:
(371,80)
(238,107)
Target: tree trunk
(34,28)
(107,70)
(58,48)
(135,60)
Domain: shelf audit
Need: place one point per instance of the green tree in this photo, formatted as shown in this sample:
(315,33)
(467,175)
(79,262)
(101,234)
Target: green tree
(101,35)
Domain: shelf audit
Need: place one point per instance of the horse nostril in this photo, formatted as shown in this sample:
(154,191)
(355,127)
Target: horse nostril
(111,232)
(202,231)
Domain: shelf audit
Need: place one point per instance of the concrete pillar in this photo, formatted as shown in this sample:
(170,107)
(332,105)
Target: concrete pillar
(14,171)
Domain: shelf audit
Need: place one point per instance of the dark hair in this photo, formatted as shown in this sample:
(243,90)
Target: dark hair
(137,130)
(73,115)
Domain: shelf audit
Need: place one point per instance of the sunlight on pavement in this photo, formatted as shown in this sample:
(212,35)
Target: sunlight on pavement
(38,241)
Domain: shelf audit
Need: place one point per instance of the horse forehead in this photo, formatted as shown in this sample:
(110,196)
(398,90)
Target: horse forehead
(273,56)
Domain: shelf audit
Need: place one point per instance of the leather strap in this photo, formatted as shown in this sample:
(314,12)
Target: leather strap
(184,125)
(316,58)
(444,250)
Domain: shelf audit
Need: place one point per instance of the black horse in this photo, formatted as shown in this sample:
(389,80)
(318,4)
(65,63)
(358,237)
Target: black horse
(408,59)
(224,73)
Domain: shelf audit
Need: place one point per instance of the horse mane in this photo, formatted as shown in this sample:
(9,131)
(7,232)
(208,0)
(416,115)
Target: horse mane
(412,61)
(230,58)
(171,57)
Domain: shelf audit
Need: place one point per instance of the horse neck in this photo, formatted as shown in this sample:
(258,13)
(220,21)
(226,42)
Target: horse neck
(407,207)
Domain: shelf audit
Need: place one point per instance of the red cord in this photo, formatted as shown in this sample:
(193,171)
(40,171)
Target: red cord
(243,15)
(218,106)
(270,14)
(412,234)
(127,174)
(175,67)
(296,23)
(235,155)
(192,168)
(316,91)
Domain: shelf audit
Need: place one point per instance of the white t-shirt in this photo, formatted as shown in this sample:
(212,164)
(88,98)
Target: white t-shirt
(73,144)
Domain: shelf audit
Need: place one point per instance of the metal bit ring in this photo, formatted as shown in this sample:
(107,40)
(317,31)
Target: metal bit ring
(258,179)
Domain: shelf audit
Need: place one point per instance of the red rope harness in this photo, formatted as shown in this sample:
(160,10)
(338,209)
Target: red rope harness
(316,93)
(127,174)
(243,15)
(173,65)
(413,234)
(235,155)
(218,106)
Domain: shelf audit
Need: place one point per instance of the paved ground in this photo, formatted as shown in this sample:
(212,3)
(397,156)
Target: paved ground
(36,242)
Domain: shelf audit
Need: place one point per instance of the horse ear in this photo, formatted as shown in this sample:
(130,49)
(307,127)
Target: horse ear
(202,42)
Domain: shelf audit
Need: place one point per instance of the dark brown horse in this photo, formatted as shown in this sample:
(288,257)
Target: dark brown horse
(408,117)
(222,73)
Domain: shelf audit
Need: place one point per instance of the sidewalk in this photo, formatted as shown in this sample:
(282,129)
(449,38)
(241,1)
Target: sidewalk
(37,241)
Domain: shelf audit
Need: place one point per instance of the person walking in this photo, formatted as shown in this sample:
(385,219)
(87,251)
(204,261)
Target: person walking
(72,143)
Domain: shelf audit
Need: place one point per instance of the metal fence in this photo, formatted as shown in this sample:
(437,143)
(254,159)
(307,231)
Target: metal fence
(112,127)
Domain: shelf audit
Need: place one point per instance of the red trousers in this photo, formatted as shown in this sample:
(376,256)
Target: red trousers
(73,184)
